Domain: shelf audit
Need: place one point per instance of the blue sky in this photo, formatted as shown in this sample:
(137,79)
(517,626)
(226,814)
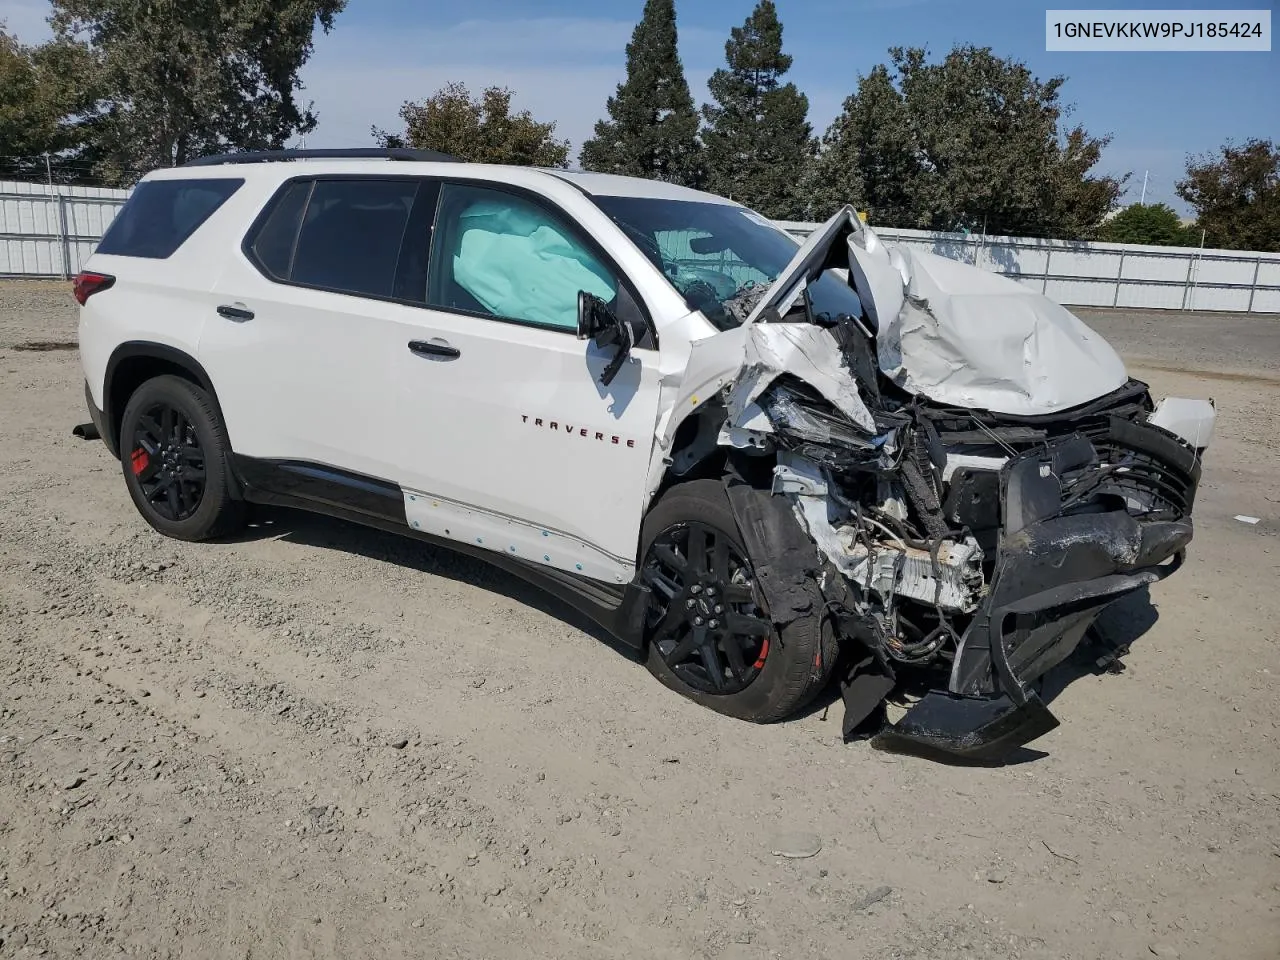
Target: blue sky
(564,57)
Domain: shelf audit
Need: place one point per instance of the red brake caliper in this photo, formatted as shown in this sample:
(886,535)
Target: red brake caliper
(764,652)
(140,461)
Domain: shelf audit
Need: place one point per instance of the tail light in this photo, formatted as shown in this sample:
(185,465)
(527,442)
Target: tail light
(87,284)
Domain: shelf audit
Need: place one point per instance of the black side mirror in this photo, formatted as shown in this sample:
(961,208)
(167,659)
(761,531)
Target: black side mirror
(597,322)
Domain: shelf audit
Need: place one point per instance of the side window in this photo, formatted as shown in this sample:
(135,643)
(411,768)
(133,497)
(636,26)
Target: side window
(367,237)
(161,214)
(499,255)
(276,239)
(351,235)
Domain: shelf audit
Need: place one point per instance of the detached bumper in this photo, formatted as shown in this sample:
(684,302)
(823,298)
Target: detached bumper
(1054,574)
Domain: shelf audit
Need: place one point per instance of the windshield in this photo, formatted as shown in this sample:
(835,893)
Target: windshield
(716,254)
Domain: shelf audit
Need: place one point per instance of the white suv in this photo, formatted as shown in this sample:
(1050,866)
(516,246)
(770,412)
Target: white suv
(748,458)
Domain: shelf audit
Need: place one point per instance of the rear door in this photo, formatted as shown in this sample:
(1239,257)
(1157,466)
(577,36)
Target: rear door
(309,327)
(506,438)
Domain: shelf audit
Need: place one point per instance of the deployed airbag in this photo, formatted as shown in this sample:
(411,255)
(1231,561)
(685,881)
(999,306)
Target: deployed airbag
(516,264)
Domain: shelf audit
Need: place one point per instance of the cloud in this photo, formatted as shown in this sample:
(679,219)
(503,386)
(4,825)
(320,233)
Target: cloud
(561,69)
(25,19)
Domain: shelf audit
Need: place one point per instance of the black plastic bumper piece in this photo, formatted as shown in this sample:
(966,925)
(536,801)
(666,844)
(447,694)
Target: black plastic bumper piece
(967,728)
(95,429)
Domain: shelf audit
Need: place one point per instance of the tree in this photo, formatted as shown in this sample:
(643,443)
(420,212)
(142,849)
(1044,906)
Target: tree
(974,142)
(479,131)
(652,130)
(43,91)
(1236,196)
(1154,223)
(758,141)
(181,78)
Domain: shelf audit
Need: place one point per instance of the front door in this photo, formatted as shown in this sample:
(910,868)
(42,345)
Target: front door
(507,439)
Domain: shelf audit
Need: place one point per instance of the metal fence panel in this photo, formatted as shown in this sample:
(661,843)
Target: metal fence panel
(1110,274)
(51,231)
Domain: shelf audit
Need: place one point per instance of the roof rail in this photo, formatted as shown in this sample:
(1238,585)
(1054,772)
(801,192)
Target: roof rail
(345,153)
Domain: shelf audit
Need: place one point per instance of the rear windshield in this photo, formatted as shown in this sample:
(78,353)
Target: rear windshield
(161,214)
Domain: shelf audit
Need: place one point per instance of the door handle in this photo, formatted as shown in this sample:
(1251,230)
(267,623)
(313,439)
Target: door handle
(434,348)
(238,314)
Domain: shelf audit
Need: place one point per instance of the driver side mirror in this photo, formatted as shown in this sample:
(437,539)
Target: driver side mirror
(598,323)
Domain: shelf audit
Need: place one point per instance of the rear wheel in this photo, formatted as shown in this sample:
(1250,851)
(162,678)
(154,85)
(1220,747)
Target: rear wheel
(709,633)
(174,451)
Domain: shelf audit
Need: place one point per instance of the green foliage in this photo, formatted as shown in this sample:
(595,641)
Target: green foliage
(1153,223)
(176,79)
(652,129)
(1236,196)
(43,92)
(972,142)
(758,140)
(478,131)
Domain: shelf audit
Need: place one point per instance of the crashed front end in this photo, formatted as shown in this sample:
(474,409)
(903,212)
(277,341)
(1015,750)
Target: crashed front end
(975,543)
(987,548)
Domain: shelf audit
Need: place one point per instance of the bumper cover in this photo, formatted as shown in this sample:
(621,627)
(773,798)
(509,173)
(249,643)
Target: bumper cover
(1054,574)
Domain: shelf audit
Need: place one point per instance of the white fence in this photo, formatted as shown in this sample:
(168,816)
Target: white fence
(1111,274)
(49,231)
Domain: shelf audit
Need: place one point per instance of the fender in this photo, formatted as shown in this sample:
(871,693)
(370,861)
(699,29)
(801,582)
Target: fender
(122,378)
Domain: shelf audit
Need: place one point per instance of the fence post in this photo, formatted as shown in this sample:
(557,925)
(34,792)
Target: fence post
(64,236)
(1253,287)
(1119,277)
(1186,284)
(1048,258)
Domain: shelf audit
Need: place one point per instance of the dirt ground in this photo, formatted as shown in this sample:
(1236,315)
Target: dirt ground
(323,741)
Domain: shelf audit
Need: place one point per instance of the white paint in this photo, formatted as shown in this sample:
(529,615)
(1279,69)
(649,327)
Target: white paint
(1192,420)
(542,546)
(957,460)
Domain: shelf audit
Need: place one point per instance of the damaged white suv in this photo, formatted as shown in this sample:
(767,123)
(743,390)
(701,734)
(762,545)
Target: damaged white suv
(747,458)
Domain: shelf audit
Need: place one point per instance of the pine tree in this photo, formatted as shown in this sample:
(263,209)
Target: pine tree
(652,130)
(758,141)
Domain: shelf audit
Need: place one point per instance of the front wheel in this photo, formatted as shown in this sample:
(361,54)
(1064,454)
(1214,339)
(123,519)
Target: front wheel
(174,451)
(709,633)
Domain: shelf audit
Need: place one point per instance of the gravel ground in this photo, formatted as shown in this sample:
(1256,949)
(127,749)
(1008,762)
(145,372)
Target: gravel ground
(323,741)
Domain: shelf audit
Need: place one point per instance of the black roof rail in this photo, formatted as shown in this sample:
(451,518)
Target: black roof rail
(341,153)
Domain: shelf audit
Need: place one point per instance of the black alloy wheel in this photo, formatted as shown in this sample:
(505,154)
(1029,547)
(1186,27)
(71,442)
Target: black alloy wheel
(176,460)
(168,461)
(706,621)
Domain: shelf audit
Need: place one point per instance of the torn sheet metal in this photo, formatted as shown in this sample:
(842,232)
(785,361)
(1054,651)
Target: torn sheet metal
(953,332)
(748,359)
(970,338)
(805,351)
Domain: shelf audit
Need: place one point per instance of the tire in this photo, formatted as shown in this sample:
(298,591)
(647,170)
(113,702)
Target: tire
(799,656)
(170,434)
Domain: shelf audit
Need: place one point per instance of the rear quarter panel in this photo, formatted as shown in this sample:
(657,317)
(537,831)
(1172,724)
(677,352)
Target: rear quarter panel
(164,301)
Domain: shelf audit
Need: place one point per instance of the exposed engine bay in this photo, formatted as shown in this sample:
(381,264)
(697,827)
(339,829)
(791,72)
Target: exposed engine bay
(976,473)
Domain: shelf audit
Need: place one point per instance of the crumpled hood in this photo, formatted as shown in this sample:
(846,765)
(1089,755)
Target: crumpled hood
(954,333)
(967,337)
(945,330)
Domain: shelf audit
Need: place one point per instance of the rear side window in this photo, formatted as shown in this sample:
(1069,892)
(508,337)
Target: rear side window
(277,238)
(161,214)
(365,237)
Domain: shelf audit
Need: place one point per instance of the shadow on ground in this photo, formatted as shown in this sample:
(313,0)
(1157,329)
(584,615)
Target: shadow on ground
(1101,651)
(315,530)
